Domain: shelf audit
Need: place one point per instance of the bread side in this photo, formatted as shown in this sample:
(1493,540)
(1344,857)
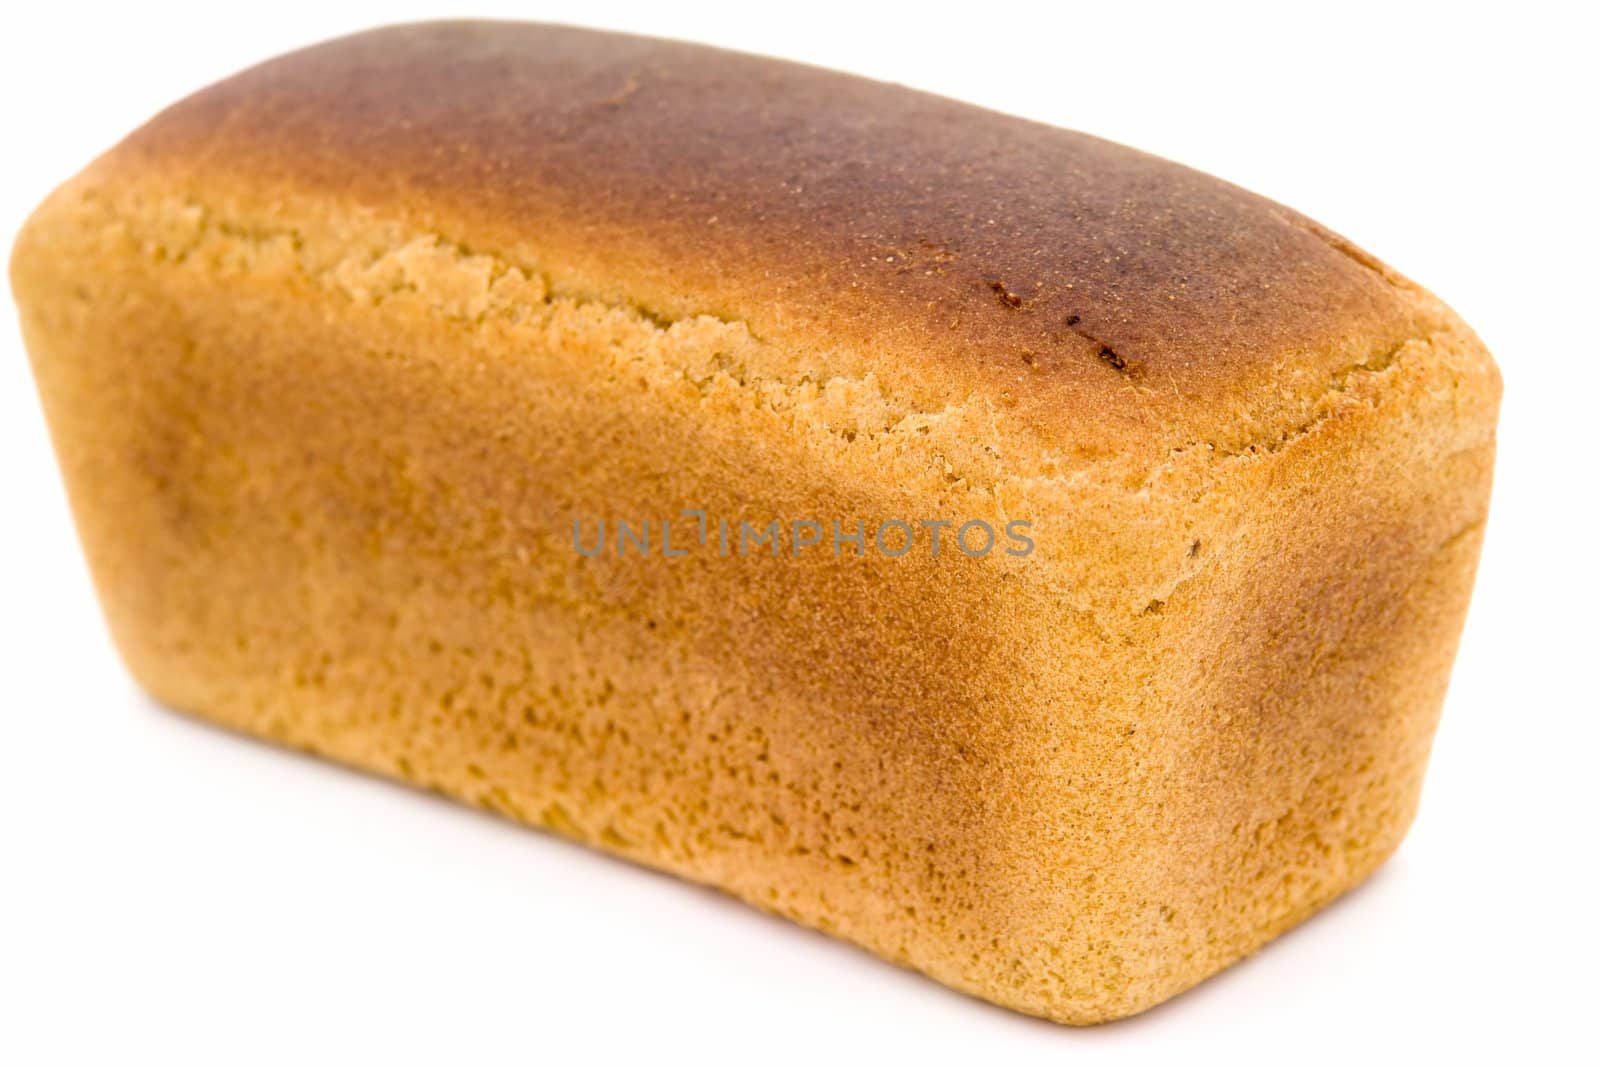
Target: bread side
(326,440)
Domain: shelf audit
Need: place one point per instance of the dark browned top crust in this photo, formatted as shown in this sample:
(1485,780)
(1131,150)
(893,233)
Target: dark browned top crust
(1070,277)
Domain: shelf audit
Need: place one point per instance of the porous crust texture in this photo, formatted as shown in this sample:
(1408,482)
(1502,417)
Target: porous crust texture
(335,352)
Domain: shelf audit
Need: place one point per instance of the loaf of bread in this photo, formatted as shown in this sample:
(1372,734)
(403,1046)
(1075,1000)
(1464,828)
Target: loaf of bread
(1026,558)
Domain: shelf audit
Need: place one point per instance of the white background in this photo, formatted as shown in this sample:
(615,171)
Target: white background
(171,893)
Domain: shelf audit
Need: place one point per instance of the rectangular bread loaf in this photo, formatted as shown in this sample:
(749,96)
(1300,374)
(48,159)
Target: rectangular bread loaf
(1026,558)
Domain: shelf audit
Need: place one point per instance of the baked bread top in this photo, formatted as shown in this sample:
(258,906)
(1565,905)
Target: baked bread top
(1098,297)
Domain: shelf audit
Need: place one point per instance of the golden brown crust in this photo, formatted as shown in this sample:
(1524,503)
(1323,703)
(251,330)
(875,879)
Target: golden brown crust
(1093,289)
(334,354)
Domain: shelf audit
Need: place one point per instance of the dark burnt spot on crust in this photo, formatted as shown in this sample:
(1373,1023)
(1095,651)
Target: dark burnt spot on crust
(1104,352)
(1109,357)
(1007,297)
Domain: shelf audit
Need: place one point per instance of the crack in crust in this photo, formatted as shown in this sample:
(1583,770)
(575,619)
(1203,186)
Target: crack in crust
(468,284)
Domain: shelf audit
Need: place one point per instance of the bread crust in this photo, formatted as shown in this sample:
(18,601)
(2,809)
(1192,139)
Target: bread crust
(1053,272)
(334,353)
